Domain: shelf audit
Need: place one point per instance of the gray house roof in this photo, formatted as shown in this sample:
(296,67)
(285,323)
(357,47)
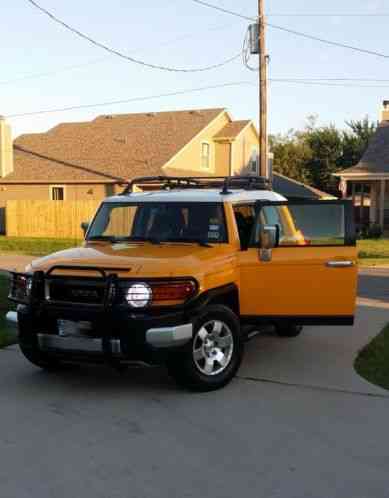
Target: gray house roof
(293,189)
(376,157)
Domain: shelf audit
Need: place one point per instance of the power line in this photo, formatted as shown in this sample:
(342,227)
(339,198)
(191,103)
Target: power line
(226,11)
(131,100)
(128,57)
(294,32)
(384,14)
(328,42)
(369,80)
(102,59)
(325,83)
(295,14)
(312,82)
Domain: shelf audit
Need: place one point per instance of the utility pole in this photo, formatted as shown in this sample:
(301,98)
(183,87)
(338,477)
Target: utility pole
(263,155)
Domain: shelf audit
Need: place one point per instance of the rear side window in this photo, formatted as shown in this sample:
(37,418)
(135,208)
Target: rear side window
(316,224)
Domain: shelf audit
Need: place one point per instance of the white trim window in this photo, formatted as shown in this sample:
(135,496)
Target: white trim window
(205,155)
(57,192)
(254,160)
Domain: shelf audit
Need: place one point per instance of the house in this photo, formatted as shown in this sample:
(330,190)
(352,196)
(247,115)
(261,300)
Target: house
(90,160)
(367,182)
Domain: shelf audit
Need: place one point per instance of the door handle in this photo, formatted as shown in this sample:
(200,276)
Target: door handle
(340,264)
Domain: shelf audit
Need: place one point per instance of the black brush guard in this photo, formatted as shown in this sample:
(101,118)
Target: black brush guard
(38,300)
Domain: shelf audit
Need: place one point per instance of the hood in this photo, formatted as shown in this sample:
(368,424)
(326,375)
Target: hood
(129,259)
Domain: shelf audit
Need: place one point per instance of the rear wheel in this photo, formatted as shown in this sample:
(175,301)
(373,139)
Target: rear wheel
(214,354)
(288,329)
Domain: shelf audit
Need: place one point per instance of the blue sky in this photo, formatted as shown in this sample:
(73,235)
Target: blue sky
(181,33)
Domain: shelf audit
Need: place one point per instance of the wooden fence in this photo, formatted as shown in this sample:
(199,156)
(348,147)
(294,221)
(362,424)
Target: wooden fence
(48,219)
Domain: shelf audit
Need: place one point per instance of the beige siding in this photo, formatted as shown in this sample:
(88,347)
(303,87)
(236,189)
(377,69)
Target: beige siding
(189,159)
(222,156)
(42,192)
(6,149)
(242,150)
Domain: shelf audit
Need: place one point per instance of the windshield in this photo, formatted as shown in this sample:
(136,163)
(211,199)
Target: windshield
(160,222)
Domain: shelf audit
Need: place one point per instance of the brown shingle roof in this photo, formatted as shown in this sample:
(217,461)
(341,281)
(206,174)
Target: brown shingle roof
(231,130)
(107,148)
(376,157)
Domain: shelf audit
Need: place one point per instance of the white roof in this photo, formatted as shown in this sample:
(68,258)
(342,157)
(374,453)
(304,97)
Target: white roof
(198,195)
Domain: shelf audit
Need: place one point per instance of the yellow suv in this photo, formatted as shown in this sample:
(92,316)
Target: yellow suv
(185,274)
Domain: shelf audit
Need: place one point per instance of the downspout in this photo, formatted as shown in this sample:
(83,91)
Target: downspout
(230,161)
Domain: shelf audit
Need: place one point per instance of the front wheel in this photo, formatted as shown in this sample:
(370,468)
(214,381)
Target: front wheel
(39,359)
(215,353)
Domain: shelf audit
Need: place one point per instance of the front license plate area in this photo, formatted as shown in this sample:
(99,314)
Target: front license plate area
(69,328)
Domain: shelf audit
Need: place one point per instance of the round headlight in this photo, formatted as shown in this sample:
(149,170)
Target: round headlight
(139,295)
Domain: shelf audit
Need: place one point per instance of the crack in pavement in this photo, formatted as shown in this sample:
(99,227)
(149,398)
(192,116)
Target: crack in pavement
(312,387)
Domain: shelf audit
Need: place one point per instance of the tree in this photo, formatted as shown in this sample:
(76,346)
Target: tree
(326,146)
(314,154)
(356,140)
(291,156)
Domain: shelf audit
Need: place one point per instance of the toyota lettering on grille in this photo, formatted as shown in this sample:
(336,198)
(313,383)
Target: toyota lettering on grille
(84,293)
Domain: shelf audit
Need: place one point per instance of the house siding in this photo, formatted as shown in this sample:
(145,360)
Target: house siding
(189,159)
(242,148)
(38,192)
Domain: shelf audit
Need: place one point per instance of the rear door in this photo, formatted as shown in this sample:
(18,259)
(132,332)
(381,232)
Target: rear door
(312,274)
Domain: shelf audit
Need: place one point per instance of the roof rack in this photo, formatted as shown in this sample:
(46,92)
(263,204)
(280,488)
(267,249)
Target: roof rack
(226,183)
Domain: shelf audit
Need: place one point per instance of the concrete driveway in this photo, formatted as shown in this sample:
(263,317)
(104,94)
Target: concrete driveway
(296,423)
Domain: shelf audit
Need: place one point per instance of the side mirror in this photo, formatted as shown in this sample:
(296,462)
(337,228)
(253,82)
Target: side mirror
(85,226)
(269,237)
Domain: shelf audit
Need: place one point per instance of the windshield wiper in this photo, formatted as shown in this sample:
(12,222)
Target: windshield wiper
(152,240)
(100,237)
(200,242)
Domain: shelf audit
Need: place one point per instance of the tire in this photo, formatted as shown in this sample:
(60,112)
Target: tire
(214,355)
(39,359)
(288,330)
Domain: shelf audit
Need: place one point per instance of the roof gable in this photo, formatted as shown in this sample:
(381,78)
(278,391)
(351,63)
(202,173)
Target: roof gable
(376,158)
(232,130)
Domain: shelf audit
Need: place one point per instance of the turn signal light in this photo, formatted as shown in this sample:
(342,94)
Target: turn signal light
(173,291)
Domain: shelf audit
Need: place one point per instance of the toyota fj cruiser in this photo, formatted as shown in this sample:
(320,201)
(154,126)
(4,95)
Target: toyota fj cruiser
(185,274)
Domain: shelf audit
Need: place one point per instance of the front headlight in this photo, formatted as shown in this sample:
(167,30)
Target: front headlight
(139,295)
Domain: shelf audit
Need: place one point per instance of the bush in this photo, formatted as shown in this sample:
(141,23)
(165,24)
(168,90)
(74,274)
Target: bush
(370,231)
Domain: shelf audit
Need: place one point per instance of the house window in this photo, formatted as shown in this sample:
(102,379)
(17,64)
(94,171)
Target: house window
(254,161)
(205,155)
(57,193)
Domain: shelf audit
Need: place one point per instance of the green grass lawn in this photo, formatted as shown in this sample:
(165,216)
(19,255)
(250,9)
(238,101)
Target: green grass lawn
(373,252)
(35,247)
(6,335)
(372,362)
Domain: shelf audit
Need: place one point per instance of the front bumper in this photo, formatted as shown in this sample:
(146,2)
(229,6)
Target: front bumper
(156,338)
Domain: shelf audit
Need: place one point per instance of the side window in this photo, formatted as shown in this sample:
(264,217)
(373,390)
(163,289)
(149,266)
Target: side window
(205,155)
(254,160)
(57,193)
(245,217)
(306,224)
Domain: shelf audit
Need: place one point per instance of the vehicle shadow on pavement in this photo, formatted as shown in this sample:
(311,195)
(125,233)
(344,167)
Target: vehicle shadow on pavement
(100,380)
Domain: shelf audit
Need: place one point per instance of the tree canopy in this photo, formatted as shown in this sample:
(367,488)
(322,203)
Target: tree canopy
(313,154)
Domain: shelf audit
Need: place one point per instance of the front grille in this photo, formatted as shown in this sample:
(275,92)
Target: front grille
(81,292)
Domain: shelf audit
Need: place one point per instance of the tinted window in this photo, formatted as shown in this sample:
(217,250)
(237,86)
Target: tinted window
(161,221)
(318,224)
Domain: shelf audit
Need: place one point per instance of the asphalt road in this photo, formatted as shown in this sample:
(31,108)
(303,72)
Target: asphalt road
(91,432)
